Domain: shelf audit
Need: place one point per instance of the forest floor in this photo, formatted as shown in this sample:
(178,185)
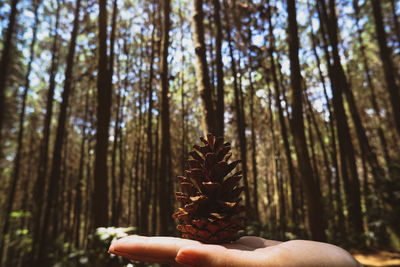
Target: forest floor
(376,258)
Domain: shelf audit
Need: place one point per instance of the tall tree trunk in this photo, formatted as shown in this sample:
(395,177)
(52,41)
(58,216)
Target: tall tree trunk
(367,150)
(166,168)
(104,82)
(39,187)
(314,204)
(253,149)
(282,121)
(89,188)
(371,86)
(347,156)
(327,164)
(156,179)
(114,217)
(386,58)
(138,139)
(220,109)
(18,154)
(270,185)
(5,63)
(314,162)
(239,115)
(139,151)
(203,80)
(52,193)
(149,132)
(122,146)
(183,95)
(79,184)
(340,222)
(122,156)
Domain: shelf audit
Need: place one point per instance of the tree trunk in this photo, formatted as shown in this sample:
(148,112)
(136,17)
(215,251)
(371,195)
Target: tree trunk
(270,185)
(139,151)
(79,184)
(347,156)
(253,150)
(52,193)
(220,109)
(39,187)
(314,204)
(340,222)
(327,164)
(166,168)
(104,82)
(386,58)
(371,86)
(114,217)
(5,63)
(122,147)
(239,116)
(183,95)
(203,80)
(282,121)
(17,161)
(149,132)
(122,156)
(156,179)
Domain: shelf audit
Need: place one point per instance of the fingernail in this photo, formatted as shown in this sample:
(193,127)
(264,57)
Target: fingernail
(186,259)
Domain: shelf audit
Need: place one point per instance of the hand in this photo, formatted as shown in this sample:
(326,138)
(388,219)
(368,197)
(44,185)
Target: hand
(248,251)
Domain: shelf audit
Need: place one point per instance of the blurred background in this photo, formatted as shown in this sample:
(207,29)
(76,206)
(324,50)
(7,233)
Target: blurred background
(101,102)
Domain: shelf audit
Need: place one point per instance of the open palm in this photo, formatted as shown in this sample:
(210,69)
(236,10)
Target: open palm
(247,251)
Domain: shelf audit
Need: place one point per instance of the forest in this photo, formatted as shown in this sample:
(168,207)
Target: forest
(102,101)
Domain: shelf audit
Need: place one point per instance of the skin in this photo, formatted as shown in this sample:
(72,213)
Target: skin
(249,251)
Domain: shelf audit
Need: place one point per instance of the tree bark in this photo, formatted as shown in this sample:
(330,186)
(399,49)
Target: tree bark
(5,62)
(253,150)
(371,86)
(104,80)
(282,121)
(114,217)
(209,123)
(79,184)
(314,204)
(220,109)
(17,161)
(154,213)
(340,222)
(239,116)
(327,164)
(149,132)
(39,187)
(52,193)
(165,167)
(386,58)
(347,156)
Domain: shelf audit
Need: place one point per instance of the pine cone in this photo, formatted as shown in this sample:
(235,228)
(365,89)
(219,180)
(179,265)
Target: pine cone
(211,199)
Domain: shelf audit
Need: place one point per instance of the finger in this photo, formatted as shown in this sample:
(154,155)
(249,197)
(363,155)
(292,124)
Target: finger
(142,258)
(152,249)
(256,242)
(150,260)
(217,256)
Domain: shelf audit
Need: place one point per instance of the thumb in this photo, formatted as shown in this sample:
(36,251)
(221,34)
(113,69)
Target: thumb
(201,255)
(216,256)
